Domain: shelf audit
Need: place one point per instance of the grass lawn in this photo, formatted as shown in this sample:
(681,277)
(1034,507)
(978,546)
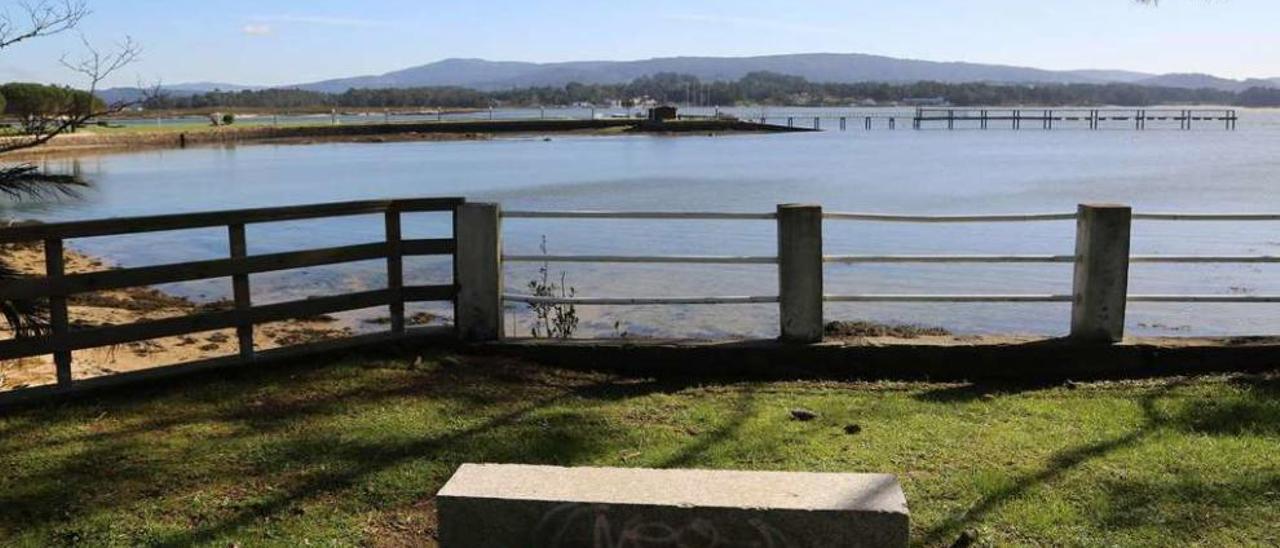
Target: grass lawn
(353,452)
(198,126)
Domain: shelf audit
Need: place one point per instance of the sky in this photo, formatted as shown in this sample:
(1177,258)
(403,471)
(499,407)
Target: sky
(281,42)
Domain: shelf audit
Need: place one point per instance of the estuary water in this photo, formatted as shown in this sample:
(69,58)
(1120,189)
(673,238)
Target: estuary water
(966,171)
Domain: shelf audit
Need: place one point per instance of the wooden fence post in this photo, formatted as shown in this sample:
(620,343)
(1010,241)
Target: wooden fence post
(1101,273)
(800,272)
(59,323)
(478,263)
(240,291)
(395,269)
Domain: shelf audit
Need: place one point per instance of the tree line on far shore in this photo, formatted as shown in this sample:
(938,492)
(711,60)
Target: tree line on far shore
(23,101)
(758,88)
(29,102)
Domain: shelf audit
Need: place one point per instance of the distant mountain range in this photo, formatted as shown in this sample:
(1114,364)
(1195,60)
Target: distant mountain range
(818,67)
(1197,81)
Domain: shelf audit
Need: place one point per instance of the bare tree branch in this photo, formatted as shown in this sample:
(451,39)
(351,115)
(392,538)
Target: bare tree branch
(95,66)
(42,18)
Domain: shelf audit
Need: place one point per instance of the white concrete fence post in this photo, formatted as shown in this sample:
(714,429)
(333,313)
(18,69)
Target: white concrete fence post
(1101,272)
(478,272)
(800,272)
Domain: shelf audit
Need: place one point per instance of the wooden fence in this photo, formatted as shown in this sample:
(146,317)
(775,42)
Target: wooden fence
(1098,297)
(57,285)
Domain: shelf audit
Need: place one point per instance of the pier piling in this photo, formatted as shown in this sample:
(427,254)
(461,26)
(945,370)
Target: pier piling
(1069,118)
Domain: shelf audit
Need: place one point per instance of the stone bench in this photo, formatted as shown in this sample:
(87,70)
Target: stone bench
(501,505)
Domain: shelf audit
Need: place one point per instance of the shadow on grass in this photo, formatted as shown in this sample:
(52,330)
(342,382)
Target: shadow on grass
(1137,504)
(1257,413)
(296,422)
(317,438)
(961,393)
(743,409)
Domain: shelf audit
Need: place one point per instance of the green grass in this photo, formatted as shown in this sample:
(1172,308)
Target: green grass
(189,127)
(352,453)
(148,128)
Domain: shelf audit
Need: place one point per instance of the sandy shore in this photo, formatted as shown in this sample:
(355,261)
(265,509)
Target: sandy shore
(93,141)
(132,305)
(89,143)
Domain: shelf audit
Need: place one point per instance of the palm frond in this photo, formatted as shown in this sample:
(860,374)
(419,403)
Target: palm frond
(26,181)
(27,318)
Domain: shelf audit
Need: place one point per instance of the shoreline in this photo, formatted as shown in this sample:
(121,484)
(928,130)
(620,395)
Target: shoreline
(125,306)
(862,338)
(90,141)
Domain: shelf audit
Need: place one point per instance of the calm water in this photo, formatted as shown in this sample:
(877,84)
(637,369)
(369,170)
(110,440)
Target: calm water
(904,171)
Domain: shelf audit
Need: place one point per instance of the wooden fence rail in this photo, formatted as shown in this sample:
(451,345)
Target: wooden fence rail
(1098,296)
(56,286)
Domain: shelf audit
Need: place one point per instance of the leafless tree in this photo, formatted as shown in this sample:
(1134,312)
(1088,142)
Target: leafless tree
(22,180)
(42,19)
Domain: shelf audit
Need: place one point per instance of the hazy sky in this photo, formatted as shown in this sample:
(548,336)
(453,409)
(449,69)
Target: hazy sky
(293,41)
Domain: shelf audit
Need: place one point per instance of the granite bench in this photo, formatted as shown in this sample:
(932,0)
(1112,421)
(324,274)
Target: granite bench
(503,505)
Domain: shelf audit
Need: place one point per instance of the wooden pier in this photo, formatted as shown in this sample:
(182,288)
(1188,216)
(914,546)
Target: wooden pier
(841,123)
(1138,119)
(1017,119)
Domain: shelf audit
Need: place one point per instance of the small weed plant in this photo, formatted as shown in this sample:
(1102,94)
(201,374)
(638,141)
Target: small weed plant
(552,320)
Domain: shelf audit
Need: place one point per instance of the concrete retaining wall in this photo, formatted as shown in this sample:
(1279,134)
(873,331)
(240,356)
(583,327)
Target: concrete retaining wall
(1048,360)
